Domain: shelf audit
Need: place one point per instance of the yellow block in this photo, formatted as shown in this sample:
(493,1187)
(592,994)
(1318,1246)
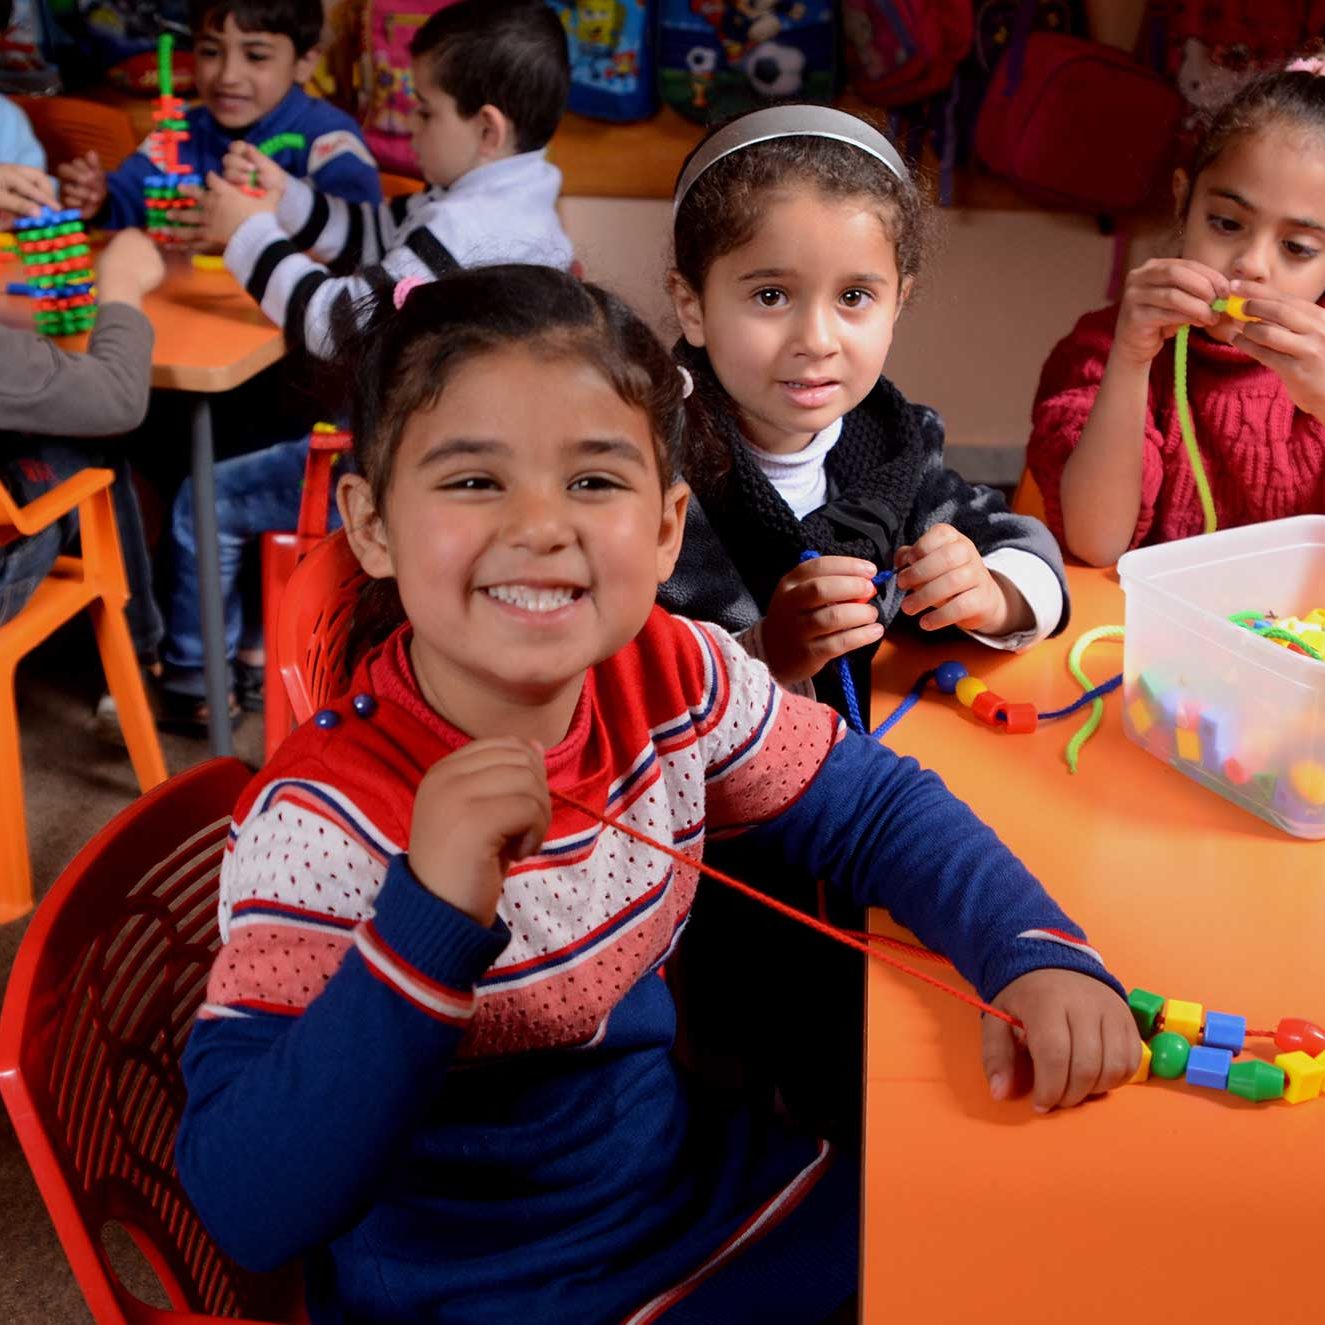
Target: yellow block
(1142,1073)
(968,688)
(1305,1075)
(1139,712)
(208,262)
(1316,616)
(1307,778)
(1184,1018)
(1189,744)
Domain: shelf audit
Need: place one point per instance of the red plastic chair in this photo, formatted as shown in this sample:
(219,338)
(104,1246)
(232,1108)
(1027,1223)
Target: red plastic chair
(100,1002)
(281,553)
(312,633)
(67,127)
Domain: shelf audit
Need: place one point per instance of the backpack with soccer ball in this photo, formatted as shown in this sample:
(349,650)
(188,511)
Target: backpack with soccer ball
(719,57)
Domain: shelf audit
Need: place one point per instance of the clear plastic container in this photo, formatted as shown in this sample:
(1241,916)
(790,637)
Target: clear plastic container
(1236,713)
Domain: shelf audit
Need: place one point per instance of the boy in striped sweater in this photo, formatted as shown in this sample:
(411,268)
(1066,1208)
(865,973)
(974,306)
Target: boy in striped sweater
(435,1059)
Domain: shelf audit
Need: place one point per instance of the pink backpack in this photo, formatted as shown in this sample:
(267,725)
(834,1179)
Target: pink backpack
(902,51)
(1076,124)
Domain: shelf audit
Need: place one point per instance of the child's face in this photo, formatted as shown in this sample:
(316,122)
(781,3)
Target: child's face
(798,321)
(446,145)
(527,530)
(243,75)
(1257,214)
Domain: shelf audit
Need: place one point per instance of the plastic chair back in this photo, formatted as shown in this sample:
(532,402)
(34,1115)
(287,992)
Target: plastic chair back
(99,1005)
(1028,500)
(67,127)
(312,635)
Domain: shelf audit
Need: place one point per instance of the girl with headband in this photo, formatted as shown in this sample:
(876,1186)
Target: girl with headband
(1106,446)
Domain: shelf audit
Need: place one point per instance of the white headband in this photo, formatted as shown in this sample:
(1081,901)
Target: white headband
(789,122)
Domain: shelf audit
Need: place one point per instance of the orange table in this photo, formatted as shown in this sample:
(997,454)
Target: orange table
(1161,1202)
(210,337)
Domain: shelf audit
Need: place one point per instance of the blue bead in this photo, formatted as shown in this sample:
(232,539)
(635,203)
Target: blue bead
(1224,1031)
(946,676)
(326,718)
(1208,1067)
(364,705)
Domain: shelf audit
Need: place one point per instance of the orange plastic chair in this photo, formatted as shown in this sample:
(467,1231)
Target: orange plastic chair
(394,185)
(312,633)
(281,553)
(99,1006)
(67,127)
(1028,499)
(95,580)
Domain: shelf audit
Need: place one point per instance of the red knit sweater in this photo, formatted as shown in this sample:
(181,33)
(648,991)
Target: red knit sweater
(1264,457)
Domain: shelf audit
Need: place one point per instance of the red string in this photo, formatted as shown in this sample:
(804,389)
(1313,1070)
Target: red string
(866,943)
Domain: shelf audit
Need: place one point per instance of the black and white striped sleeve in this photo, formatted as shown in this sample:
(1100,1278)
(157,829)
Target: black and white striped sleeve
(346,235)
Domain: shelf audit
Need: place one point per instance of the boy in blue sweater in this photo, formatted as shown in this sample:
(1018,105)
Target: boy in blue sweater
(251,57)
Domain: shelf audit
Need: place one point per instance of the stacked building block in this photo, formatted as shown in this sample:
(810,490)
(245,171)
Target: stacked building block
(57,271)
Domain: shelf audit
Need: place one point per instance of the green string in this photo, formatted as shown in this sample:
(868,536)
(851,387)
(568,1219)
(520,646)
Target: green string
(1185,423)
(164,75)
(1088,728)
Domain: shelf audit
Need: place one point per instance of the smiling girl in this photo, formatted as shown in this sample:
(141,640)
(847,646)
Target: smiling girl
(1106,448)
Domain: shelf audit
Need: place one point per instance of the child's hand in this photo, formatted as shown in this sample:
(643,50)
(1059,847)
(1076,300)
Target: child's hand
(84,184)
(1159,297)
(818,612)
(25,190)
(225,209)
(477,812)
(945,577)
(130,266)
(1080,1036)
(1289,338)
(245,165)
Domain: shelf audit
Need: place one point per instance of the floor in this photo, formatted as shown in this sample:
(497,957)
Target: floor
(65,764)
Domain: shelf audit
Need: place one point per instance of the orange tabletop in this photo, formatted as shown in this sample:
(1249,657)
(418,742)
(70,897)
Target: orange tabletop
(1161,1202)
(210,335)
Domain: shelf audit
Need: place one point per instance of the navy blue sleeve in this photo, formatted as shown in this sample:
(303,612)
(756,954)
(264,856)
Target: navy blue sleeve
(125,202)
(892,835)
(291,1122)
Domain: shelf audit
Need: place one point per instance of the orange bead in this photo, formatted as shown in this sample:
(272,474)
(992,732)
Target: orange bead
(986,706)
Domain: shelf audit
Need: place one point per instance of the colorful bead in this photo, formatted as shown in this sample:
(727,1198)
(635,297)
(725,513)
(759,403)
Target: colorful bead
(326,719)
(1214,742)
(1020,719)
(1208,1067)
(1256,1080)
(1142,1073)
(1188,744)
(1307,778)
(1184,1018)
(364,705)
(1236,307)
(1169,1054)
(1146,1008)
(946,676)
(969,689)
(987,705)
(1223,1030)
(1305,1076)
(1295,1033)
(1139,712)
(1236,772)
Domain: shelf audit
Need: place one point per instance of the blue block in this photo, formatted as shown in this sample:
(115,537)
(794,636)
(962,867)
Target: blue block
(1215,744)
(1208,1067)
(1223,1030)
(946,676)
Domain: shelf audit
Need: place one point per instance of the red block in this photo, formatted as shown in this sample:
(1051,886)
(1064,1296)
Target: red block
(987,705)
(1021,718)
(1295,1033)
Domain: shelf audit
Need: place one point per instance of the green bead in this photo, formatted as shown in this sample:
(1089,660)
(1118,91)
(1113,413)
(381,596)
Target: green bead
(1169,1053)
(1146,1008)
(1255,1079)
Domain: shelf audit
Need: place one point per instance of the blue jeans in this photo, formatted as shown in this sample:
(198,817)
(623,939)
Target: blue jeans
(254,493)
(27,561)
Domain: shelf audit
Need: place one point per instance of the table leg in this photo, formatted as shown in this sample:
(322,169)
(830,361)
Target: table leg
(209,579)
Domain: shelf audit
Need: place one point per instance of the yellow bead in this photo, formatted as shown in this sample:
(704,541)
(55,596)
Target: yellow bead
(1189,744)
(1139,712)
(1316,616)
(1305,1075)
(1184,1018)
(1142,1073)
(208,262)
(1236,307)
(968,688)
(1307,778)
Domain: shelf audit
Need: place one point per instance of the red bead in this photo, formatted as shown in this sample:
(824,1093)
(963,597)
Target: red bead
(1295,1033)
(986,707)
(1020,719)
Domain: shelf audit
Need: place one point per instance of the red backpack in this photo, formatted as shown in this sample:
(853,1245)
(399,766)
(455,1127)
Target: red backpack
(902,51)
(1078,125)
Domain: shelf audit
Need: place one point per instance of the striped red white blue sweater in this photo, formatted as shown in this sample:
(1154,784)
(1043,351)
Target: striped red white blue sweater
(484,1125)
(317,249)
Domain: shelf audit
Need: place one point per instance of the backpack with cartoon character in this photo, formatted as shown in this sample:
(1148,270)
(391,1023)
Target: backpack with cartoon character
(719,57)
(27,57)
(902,51)
(610,43)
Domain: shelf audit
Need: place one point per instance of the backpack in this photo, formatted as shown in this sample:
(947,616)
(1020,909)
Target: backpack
(1076,124)
(27,55)
(902,51)
(610,43)
(719,57)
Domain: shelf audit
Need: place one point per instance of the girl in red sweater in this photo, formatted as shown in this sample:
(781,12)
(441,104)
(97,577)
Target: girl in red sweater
(1106,448)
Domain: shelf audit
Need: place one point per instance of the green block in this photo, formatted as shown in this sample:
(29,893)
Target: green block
(1146,1008)
(1169,1053)
(1255,1079)
(1265,784)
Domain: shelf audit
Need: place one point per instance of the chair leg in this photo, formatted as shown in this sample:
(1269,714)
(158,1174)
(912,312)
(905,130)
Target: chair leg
(125,681)
(15,867)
